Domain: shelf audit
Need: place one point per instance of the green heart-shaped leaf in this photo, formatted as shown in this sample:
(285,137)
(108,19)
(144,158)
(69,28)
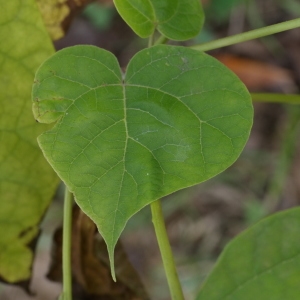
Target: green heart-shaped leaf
(178,118)
(175,19)
(261,263)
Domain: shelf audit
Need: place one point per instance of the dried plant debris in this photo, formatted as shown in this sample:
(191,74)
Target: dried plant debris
(57,14)
(90,265)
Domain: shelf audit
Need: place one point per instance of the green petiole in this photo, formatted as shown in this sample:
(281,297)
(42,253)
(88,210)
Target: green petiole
(250,35)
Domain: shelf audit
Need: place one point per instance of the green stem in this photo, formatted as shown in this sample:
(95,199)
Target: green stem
(66,255)
(250,35)
(165,250)
(255,20)
(280,98)
(161,40)
(161,233)
(150,40)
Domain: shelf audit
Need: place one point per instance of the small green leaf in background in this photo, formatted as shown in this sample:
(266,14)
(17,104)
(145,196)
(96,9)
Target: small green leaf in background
(101,16)
(27,182)
(261,263)
(180,117)
(138,14)
(175,19)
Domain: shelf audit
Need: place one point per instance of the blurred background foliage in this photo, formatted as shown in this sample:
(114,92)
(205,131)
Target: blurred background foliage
(265,179)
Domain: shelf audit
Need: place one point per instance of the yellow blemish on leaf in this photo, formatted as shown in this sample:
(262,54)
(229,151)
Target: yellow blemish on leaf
(54,12)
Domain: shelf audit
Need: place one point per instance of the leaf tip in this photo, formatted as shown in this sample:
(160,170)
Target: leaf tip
(112,263)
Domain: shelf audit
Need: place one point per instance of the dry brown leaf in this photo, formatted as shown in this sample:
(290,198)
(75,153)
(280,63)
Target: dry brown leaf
(259,76)
(90,265)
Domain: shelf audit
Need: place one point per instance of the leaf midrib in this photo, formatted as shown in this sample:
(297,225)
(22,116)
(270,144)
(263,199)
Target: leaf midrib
(125,150)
